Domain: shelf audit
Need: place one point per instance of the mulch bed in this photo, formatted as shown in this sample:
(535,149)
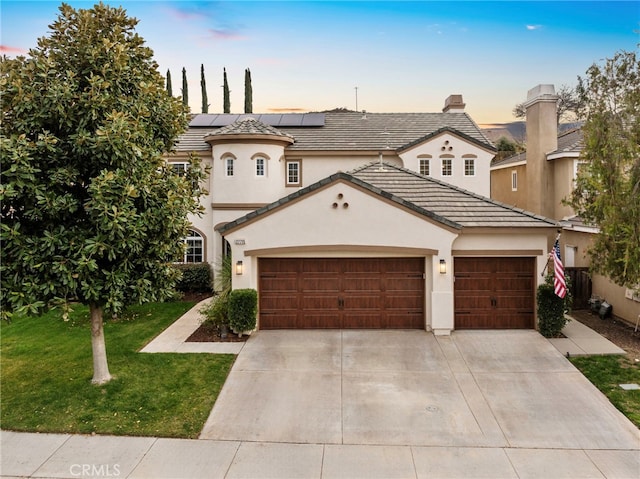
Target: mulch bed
(209,333)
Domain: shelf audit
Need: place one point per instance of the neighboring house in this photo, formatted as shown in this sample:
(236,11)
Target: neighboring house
(362,220)
(542,177)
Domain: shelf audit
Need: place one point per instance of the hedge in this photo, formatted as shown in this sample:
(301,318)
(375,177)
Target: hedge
(196,277)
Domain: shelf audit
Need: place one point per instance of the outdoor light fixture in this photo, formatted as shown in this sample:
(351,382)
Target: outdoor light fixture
(443,267)
(239,268)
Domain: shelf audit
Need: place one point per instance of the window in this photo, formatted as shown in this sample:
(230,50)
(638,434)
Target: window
(447,166)
(228,167)
(261,167)
(195,248)
(179,168)
(514,180)
(294,173)
(425,166)
(469,167)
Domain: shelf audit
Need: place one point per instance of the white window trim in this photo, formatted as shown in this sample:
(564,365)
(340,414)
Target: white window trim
(427,162)
(514,180)
(264,167)
(194,236)
(229,160)
(286,173)
(473,167)
(442,162)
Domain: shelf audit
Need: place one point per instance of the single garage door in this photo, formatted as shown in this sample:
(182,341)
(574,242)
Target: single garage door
(367,293)
(494,293)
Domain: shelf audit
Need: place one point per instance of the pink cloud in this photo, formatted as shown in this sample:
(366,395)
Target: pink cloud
(12,50)
(220,34)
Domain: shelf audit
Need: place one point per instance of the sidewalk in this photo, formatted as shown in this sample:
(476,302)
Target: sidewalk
(173,339)
(581,340)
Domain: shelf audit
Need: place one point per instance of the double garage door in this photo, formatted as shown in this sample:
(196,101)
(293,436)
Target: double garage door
(374,293)
(370,293)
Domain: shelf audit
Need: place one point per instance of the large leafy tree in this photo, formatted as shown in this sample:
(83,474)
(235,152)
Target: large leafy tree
(607,192)
(568,105)
(90,211)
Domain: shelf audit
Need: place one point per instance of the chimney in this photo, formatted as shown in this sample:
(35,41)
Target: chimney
(453,104)
(542,138)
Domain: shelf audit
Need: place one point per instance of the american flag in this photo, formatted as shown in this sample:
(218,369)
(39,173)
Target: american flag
(559,284)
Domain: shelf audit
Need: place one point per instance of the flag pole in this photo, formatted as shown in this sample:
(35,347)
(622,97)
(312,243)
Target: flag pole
(549,255)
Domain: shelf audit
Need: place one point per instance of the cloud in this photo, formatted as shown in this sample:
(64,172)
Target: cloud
(534,27)
(12,50)
(225,34)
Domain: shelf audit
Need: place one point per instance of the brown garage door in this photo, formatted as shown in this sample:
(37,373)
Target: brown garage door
(494,293)
(341,293)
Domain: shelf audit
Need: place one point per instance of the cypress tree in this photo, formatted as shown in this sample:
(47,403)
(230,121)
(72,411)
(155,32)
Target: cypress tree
(248,92)
(203,85)
(185,89)
(169,87)
(226,102)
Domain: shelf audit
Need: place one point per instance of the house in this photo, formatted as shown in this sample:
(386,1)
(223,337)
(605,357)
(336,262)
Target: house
(541,178)
(363,220)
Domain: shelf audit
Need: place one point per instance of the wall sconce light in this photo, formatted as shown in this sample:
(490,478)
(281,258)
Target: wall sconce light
(239,268)
(443,267)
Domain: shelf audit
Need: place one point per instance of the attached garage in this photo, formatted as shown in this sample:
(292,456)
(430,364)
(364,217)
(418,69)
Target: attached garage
(494,293)
(341,293)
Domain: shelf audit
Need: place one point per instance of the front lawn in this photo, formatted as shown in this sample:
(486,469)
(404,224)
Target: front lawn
(46,367)
(607,373)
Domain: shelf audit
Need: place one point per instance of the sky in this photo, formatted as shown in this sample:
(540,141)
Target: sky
(376,56)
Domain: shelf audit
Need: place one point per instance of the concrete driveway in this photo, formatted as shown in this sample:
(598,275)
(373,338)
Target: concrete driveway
(487,389)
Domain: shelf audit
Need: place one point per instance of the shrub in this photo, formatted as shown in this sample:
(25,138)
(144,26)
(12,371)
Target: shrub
(216,312)
(196,277)
(551,309)
(243,308)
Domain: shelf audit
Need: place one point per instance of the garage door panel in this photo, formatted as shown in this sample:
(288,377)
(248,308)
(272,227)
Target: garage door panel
(494,293)
(343,292)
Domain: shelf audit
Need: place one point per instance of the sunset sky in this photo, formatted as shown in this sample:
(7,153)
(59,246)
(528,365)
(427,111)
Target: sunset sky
(402,56)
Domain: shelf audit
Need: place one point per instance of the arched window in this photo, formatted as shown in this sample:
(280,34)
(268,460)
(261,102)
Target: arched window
(195,248)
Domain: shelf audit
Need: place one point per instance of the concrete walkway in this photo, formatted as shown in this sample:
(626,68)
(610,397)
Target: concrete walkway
(581,340)
(497,417)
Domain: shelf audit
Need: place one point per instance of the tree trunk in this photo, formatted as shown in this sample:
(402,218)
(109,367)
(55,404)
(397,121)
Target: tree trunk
(101,373)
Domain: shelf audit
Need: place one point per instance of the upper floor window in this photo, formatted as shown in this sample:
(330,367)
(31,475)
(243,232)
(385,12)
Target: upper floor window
(294,173)
(179,168)
(469,167)
(194,253)
(228,166)
(447,166)
(261,166)
(425,166)
(514,180)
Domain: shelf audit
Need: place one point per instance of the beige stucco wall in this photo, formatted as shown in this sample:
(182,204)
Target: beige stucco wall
(563,171)
(501,187)
(623,307)
(449,144)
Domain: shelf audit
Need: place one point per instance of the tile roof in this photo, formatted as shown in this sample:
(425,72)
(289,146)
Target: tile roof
(247,126)
(354,131)
(570,141)
(462,207)
(439,201)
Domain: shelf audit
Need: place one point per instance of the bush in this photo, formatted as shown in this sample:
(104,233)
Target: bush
(216,312)
(551,309)
(243,309)
(196,277)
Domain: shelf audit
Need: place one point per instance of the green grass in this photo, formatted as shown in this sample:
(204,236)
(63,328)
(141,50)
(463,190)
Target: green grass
(607,373)
(46,366)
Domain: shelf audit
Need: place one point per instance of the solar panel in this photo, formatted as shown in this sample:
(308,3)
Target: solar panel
(271,119)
